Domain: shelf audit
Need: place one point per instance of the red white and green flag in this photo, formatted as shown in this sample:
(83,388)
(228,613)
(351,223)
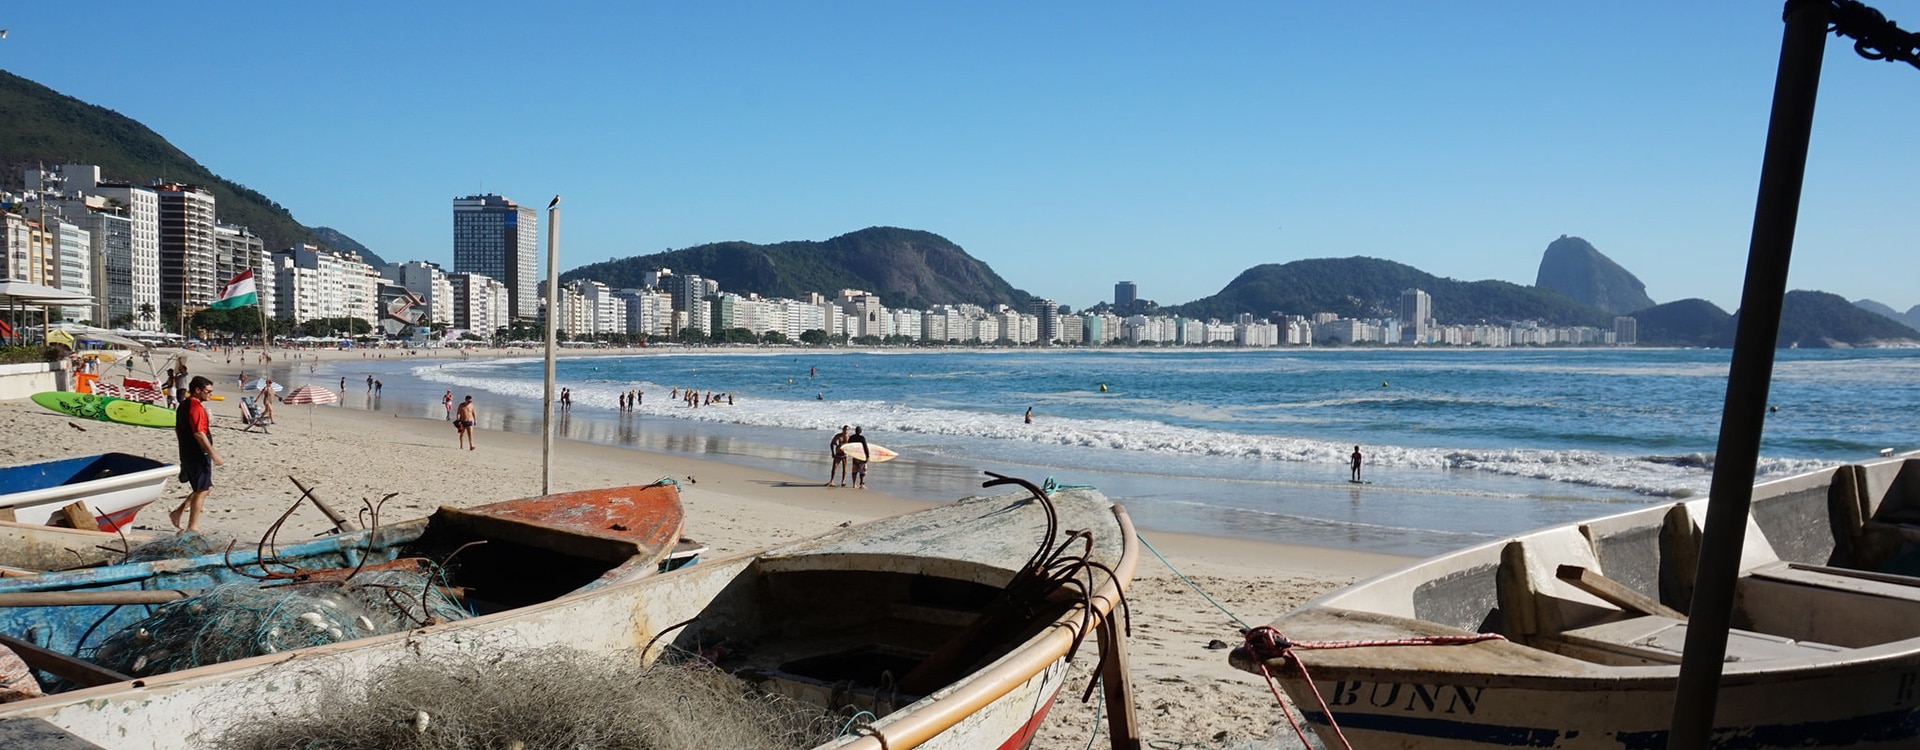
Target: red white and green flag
(238,293)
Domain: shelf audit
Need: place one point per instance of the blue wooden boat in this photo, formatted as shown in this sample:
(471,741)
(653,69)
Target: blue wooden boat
(530,551)
(114,485)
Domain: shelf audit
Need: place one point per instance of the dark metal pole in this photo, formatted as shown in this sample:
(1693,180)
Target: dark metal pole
(1795,88)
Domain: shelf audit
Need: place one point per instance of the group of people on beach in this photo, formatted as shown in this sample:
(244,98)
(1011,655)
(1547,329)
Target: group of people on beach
(845,466)
(629,400)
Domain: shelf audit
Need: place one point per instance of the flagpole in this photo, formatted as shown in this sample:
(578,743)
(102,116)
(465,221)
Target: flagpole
(553,324)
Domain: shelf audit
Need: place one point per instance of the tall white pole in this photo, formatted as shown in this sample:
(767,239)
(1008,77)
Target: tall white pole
(553,326)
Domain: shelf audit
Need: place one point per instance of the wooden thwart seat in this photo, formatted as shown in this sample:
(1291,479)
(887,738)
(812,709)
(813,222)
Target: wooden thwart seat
(1662,640)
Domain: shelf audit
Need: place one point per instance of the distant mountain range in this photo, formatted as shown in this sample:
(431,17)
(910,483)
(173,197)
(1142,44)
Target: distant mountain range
(906,267)
(1576,283)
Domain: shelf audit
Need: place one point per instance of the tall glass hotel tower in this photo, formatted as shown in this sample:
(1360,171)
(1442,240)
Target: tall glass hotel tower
(495,237)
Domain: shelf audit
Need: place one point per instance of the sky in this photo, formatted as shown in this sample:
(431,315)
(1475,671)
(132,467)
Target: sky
(1068,145)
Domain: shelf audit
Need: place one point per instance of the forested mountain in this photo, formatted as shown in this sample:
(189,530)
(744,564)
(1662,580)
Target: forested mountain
(40,126)
(1370,288)
(1573,267)
(1687,322)
(1812,320)
(339,240)
(906,267)
(1910,318)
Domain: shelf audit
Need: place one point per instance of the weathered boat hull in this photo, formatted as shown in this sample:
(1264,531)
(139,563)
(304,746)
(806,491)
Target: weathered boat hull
(571,537)
(114,485)
(27,549)
(1819,656)
(893,582)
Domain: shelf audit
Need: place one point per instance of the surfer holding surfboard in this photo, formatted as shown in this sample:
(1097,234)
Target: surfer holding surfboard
(859,453)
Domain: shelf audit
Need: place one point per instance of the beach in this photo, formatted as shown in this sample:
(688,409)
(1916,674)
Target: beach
(1186,694)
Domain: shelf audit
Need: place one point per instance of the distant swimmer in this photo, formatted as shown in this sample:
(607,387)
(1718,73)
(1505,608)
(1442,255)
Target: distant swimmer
(1356,464)
(1029,415)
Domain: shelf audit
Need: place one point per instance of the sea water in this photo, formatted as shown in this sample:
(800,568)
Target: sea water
(1460,445)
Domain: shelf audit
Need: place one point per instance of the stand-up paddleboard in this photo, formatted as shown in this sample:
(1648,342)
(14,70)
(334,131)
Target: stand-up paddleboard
(82,405)
(140,414)
(867,452)
(106,408)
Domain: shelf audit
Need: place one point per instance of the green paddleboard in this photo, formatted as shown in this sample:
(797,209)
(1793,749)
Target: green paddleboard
(140,414)
(106,408)
(82,405)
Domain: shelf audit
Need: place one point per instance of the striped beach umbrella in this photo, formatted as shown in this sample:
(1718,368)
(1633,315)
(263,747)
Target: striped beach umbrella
(310,394)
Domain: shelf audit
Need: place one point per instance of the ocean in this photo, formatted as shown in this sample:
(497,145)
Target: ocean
(1461,446)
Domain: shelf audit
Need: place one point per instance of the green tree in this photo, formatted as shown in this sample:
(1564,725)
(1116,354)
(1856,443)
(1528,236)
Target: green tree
(813,336)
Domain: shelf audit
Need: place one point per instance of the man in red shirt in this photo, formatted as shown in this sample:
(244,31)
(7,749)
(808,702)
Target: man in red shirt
(197,456)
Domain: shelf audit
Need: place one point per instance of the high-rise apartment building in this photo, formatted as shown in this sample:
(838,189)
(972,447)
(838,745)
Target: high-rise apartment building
(1124,294)
(187,254)
(237,249)
(1046,313)
(1626,330)
(495,237)
(1416,315)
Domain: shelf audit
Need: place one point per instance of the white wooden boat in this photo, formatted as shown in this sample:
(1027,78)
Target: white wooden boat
(115,486)
(1824,650)
(28,549)
(884,617)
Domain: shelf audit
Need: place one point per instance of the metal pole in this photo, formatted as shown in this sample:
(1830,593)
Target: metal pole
(1778,207)
(553,325)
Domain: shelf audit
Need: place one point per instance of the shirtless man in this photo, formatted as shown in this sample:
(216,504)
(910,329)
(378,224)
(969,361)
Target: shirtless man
(839,460)
(1356,464)
(463,424)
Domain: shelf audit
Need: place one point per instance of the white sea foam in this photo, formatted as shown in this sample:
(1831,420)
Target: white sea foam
(1661,476)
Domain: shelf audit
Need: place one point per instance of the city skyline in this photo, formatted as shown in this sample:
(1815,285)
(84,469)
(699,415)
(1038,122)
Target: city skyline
(1179,145)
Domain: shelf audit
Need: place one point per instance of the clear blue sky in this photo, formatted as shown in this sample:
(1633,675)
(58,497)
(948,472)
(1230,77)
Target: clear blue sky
(1069,145)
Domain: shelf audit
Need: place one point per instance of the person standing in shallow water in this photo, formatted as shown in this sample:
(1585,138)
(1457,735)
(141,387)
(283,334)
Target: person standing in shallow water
(1356,463)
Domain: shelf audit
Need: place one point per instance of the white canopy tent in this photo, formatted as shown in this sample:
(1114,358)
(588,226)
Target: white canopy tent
(15,295)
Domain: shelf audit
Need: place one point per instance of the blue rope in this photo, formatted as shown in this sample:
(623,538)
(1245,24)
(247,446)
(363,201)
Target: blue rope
(844,728)
(1196,587)
(1098,708)
(1051,486)
(664,481)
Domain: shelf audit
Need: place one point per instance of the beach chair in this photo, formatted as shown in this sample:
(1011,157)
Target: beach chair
(250,413)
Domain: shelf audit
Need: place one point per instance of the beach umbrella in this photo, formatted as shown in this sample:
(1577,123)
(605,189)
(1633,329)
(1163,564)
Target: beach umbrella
(259,383)
(310,394)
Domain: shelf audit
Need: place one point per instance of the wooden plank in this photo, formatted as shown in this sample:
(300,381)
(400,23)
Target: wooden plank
(92,598)
(339,522)
(6,514)
(1123,727)
(82,673)
(1614,593)
(1858,582)
(1870,575)
(79,516)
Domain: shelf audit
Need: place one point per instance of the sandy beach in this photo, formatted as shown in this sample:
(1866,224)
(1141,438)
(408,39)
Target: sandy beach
(1187,696)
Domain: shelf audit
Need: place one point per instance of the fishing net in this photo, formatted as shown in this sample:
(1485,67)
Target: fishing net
(238,620)
(184,544)
(546,699)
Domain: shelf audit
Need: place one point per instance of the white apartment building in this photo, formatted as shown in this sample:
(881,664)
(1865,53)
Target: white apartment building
(311,283)
(140,257)
(480,303)
(237,249)
(187,254)
(73,266)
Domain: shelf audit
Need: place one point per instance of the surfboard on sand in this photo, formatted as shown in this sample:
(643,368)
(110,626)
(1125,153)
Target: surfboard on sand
(141,414)
(106,408)
(867,452)
(82,405)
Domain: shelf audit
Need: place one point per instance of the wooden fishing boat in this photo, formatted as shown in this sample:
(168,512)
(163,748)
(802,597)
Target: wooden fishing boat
(946,623)
(115,486)
(510,555)
(1571,637)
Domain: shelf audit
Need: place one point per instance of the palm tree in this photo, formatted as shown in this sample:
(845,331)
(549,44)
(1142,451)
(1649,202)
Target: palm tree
(146,312)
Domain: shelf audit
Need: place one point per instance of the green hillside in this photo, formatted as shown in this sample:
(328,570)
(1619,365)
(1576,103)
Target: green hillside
(41,126)
(1370,288)
(907,268)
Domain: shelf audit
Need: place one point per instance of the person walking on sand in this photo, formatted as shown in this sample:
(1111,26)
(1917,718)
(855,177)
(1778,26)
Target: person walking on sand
(447,401)
(839,459)
(463,425)
(197,456)
(1356,464)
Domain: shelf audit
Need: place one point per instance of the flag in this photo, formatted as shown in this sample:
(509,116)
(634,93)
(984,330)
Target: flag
(238,293)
